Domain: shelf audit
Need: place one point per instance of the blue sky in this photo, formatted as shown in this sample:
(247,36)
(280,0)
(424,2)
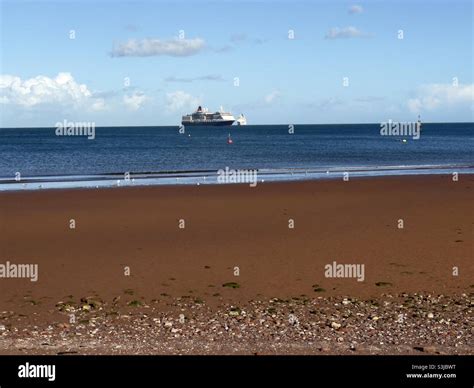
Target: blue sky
(47,77)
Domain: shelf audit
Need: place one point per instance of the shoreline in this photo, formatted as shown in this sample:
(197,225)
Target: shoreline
(211,177)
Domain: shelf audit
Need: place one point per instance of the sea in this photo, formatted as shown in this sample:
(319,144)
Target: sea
(36,158)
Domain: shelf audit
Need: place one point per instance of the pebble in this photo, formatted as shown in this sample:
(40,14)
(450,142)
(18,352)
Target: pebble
(263,326)
(430,349)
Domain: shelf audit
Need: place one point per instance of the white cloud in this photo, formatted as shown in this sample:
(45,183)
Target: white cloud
(134,101)
(174,47)
(356,9)
(62,90)
(414,105)
(209,77)
(271,97)
(345,33)
(99,104)
(434,96)
(179,101)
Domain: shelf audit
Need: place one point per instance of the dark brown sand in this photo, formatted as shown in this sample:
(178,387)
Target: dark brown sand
(234,226)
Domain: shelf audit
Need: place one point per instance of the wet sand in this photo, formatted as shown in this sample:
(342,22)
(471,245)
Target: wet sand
(229,226)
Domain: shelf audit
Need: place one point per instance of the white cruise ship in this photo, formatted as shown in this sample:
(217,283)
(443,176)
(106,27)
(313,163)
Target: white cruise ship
(203,117)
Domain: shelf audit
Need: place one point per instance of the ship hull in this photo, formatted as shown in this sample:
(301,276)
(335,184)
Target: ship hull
(208,123)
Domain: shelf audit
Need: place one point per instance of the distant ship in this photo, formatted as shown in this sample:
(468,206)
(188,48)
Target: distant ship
(241,120)
(203,117)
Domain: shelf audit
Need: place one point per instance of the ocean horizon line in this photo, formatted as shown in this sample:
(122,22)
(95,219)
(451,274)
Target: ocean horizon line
(248,125)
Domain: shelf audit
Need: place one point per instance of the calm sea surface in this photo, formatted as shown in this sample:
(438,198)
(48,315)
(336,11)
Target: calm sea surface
(151,152)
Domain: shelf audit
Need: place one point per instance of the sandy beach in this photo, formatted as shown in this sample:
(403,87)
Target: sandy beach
(140,257)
